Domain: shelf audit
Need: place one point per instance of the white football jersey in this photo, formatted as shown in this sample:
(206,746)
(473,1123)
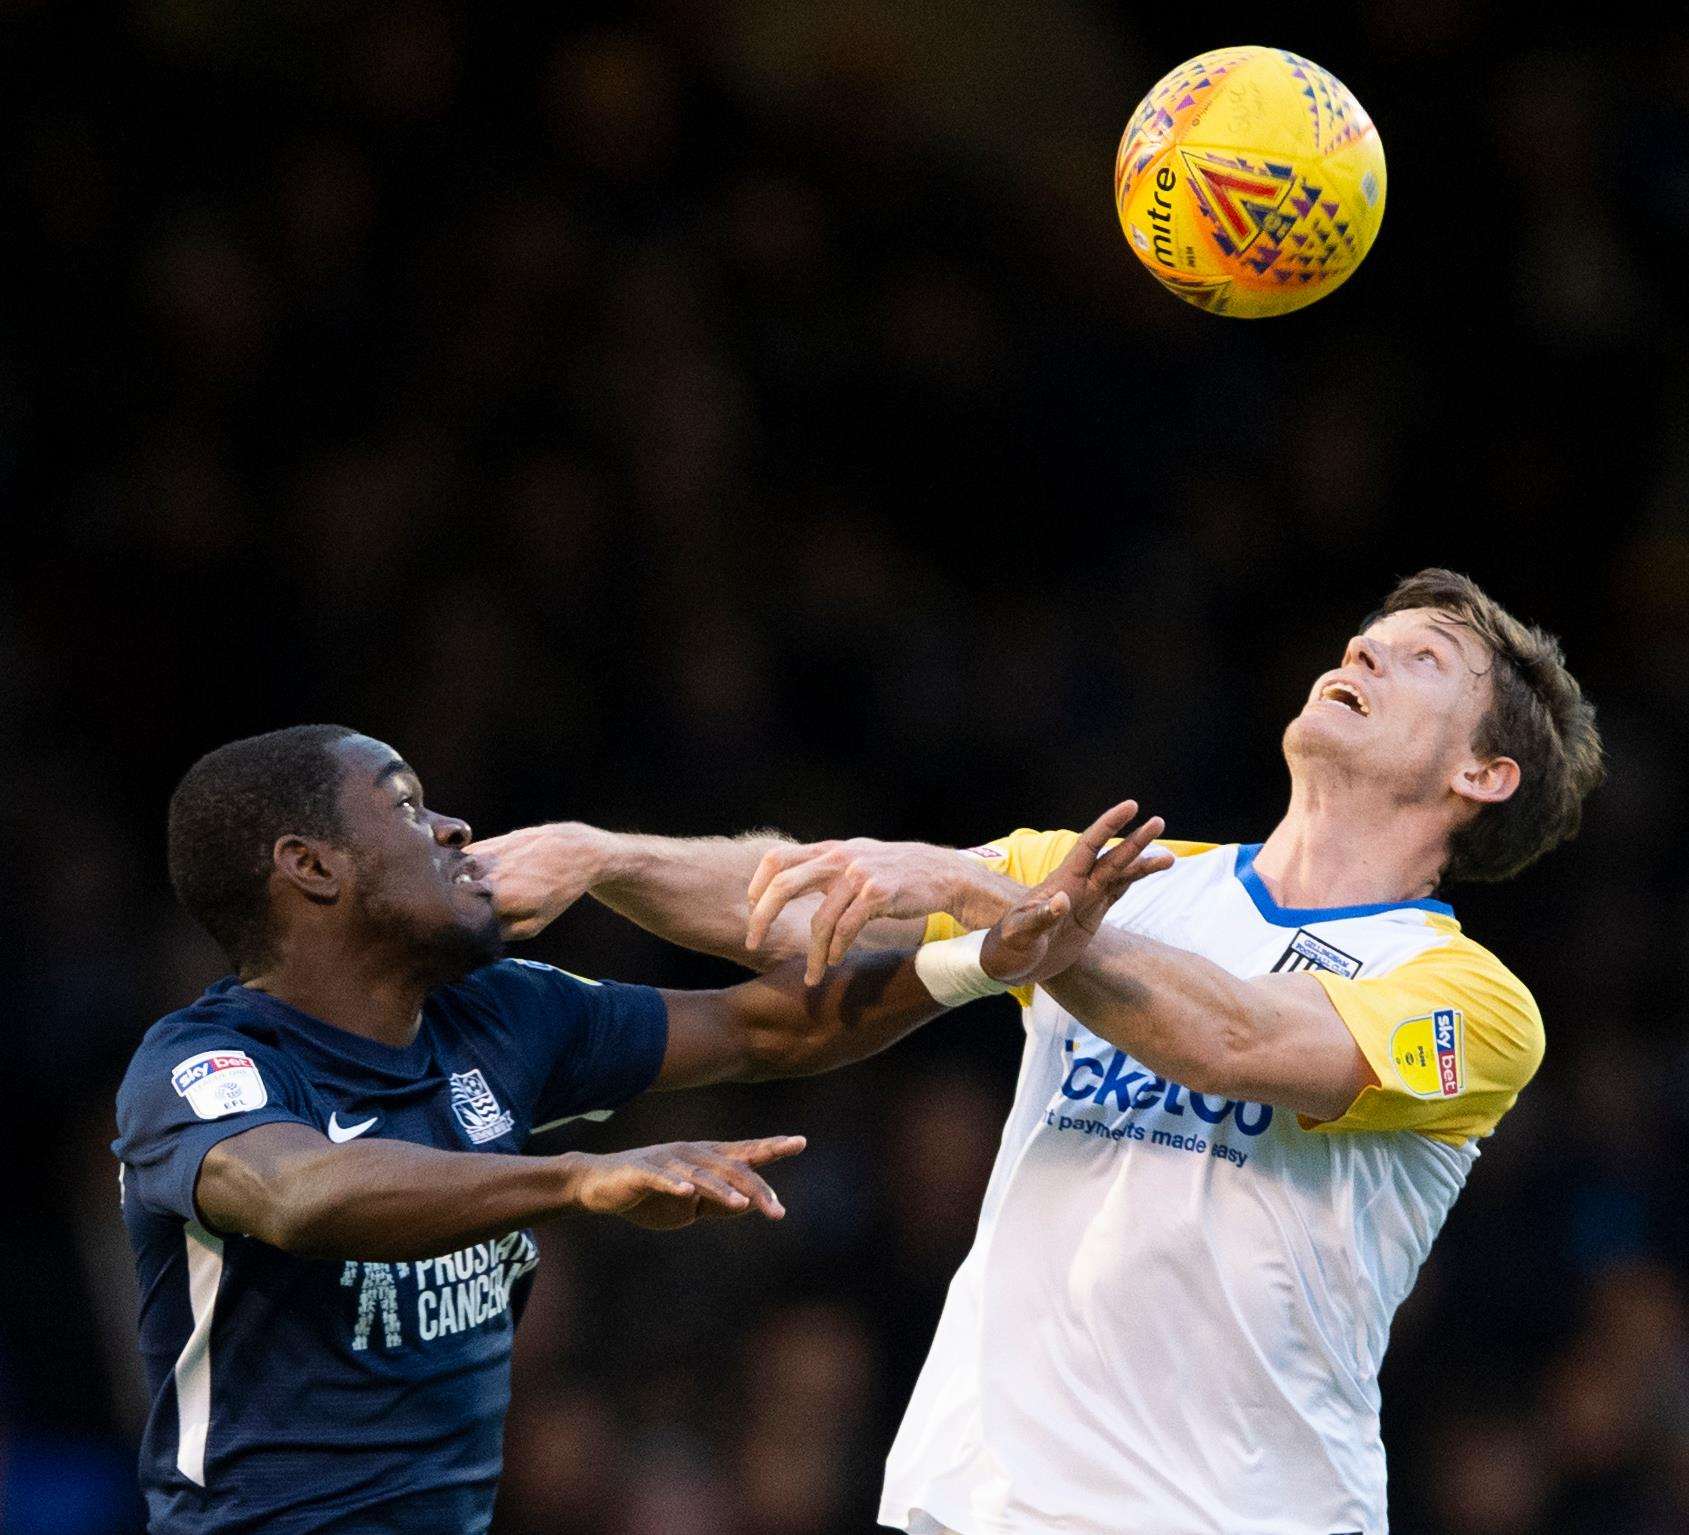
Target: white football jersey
(1175,1308)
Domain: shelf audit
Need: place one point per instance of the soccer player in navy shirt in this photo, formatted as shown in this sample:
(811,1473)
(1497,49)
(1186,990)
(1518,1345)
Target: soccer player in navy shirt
(319,1157)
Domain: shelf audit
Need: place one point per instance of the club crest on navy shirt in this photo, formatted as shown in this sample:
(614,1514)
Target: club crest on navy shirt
(476,1108)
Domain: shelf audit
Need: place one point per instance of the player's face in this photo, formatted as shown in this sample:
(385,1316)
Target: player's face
(1403,708)
(412,882)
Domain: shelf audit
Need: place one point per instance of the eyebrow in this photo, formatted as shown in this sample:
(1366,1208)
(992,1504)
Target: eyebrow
(394,769)
(1450,631)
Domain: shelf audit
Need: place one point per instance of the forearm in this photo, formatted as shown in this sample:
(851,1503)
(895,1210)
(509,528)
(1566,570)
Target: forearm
(775,1026)
(862,1006)
(1179,1014)
(694,891)
(383,1200)
(691,891)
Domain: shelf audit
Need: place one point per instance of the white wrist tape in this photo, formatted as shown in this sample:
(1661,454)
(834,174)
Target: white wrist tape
(951,971)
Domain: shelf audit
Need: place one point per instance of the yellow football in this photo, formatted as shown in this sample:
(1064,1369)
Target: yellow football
(1250,182)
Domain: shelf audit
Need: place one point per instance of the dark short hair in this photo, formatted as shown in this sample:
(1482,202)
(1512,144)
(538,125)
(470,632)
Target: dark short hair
(226,816)
(1538,716)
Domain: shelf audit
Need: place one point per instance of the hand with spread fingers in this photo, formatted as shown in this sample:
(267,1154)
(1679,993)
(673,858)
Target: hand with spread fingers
(665,1187)
(1050,926)
(863,880)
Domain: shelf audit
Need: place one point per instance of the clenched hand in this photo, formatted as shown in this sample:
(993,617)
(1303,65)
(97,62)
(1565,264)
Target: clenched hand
(538,873)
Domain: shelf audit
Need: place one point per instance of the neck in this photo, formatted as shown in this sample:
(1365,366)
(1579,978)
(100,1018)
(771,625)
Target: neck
(355,989)
(1340,845)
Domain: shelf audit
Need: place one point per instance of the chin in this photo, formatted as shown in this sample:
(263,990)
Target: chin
(483,940)
(452,952)
(1307,732)
(1312,737)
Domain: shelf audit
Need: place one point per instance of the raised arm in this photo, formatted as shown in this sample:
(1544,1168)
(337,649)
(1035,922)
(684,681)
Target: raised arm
(780,1025)
(292,1187)
(688,890)
(1270,1039)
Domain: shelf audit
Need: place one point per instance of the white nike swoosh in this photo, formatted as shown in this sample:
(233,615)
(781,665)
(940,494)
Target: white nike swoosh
(338,1132)
(597,1116)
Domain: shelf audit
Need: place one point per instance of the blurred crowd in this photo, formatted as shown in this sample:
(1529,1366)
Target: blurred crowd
(742,413)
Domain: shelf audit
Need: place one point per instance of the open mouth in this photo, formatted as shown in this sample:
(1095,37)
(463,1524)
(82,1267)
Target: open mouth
(467,877)
(1346,694)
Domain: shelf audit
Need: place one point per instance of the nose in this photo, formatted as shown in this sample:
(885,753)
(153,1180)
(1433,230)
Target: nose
(1363,652)
(451,832)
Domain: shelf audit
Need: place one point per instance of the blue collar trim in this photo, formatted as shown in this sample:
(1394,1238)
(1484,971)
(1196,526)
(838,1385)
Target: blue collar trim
(1302,916)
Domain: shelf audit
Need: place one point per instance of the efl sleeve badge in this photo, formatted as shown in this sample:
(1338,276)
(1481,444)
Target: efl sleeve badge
(220,1082)
(1429,1054)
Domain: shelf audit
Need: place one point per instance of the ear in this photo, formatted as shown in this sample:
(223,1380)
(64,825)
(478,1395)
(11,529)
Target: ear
(313,868)
(1486,783)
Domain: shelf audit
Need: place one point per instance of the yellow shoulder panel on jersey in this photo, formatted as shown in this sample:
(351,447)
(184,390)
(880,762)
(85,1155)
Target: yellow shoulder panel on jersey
(1184,849)
(1029,857)
(1452,1036)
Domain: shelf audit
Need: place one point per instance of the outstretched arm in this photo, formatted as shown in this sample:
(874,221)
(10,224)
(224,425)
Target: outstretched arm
(775,1026)
(688,890)
(780,1025)
(292,1187)
(1272,1039)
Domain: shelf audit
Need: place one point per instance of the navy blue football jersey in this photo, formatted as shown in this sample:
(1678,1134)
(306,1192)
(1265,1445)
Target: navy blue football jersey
(293,1394)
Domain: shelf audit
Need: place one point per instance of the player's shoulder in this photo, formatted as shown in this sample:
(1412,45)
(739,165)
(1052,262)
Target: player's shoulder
(1030,855)
(224,1034)
(505,977)
(1181,849)
(1451,1033)
(1481,974)
(226,1011)
(1495,1007)
(512,989)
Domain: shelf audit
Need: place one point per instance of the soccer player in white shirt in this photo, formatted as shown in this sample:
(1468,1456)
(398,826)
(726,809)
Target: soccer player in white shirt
(1242,1116)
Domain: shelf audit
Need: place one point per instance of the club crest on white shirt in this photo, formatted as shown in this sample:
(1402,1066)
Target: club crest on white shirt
(1307,952)
(476,1108)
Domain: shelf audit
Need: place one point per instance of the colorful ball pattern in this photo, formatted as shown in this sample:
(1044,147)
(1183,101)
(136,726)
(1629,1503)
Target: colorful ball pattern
(1250,182)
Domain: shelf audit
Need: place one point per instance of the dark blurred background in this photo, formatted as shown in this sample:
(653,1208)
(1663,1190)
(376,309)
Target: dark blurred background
(700,416)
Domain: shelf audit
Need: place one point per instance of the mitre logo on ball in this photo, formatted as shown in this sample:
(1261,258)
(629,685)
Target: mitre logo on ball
(1250,182)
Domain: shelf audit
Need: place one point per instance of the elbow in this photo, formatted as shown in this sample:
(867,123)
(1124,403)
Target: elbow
(289,1220)
(773,1053)
(298,1215)
(1216,1066)
(268,1204)
(777,948)
(767,1058)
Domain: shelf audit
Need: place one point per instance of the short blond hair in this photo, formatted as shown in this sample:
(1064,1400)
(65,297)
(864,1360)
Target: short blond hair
(1538,716)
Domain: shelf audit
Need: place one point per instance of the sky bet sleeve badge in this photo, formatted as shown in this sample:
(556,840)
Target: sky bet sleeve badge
(220,1082)
(1430,1054)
